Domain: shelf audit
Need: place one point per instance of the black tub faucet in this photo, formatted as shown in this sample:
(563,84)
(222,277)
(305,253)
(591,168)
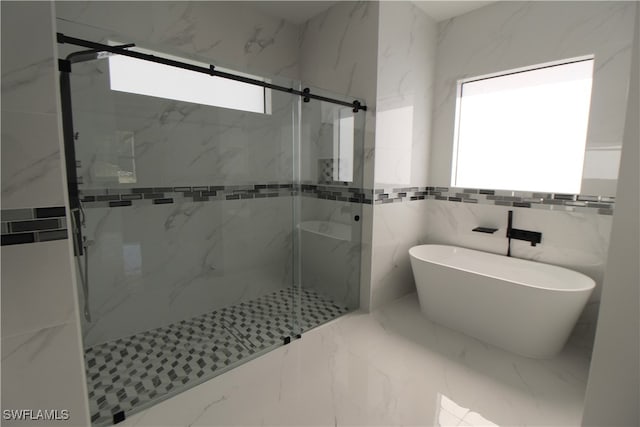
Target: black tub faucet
(514,233)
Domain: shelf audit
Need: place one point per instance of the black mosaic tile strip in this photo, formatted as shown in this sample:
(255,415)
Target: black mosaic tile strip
(120,203)
(45,236)
(522,204)
(161,190)
(107,197)
(153,195)
(145,190)
(32,225)
(162,201)
(565,196)
(332,192)
(56,212)
(18,239)
(602,205)
(129,373)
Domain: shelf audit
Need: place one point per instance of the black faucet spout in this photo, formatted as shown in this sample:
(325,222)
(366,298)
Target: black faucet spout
(534,237)
(530,236)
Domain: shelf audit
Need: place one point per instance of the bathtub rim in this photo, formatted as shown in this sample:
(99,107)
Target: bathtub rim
(592,282)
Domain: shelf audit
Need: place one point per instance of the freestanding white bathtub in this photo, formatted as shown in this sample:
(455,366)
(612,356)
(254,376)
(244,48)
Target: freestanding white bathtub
(525,307)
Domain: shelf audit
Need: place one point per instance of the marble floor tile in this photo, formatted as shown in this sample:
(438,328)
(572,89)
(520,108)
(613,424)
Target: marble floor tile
(389,368)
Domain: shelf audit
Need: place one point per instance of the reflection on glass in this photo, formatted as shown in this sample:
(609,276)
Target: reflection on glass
(126,157)
(132,257)
(343,129)
(115,159)
(449,413)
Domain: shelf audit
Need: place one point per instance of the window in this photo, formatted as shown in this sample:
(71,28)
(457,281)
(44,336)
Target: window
(524,129)
(149,78)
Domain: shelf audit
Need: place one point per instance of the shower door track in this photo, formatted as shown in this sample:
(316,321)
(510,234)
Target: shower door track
(120,50)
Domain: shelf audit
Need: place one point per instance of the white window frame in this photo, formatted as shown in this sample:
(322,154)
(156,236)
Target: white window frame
(515,83)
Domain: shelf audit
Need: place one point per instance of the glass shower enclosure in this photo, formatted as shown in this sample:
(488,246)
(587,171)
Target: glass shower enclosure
(211,224)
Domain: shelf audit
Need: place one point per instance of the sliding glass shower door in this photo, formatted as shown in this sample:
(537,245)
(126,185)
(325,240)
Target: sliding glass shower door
(213,221)
(330,205)
(186,214)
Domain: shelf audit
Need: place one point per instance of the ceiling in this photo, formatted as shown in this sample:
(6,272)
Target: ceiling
(298,12)
(442,10)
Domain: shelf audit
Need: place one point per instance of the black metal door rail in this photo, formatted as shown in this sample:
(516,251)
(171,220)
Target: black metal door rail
(65,65)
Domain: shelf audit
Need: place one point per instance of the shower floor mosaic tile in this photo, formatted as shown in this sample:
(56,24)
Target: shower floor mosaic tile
(130,372)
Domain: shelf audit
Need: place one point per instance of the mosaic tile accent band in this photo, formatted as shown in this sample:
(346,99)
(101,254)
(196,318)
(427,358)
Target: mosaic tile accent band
(130,373)
(339,193)
(602,205)
(120,197)
(43,224)
(32,225)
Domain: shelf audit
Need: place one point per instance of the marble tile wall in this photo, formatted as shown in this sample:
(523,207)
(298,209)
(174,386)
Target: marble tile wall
(534,33)
(42,366)
(406,68)
(406,54)
(397,228)
(613,390)
(251,41)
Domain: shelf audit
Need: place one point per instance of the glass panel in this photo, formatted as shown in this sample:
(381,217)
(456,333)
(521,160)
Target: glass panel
(330,205)
(188,224)
(212,235)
